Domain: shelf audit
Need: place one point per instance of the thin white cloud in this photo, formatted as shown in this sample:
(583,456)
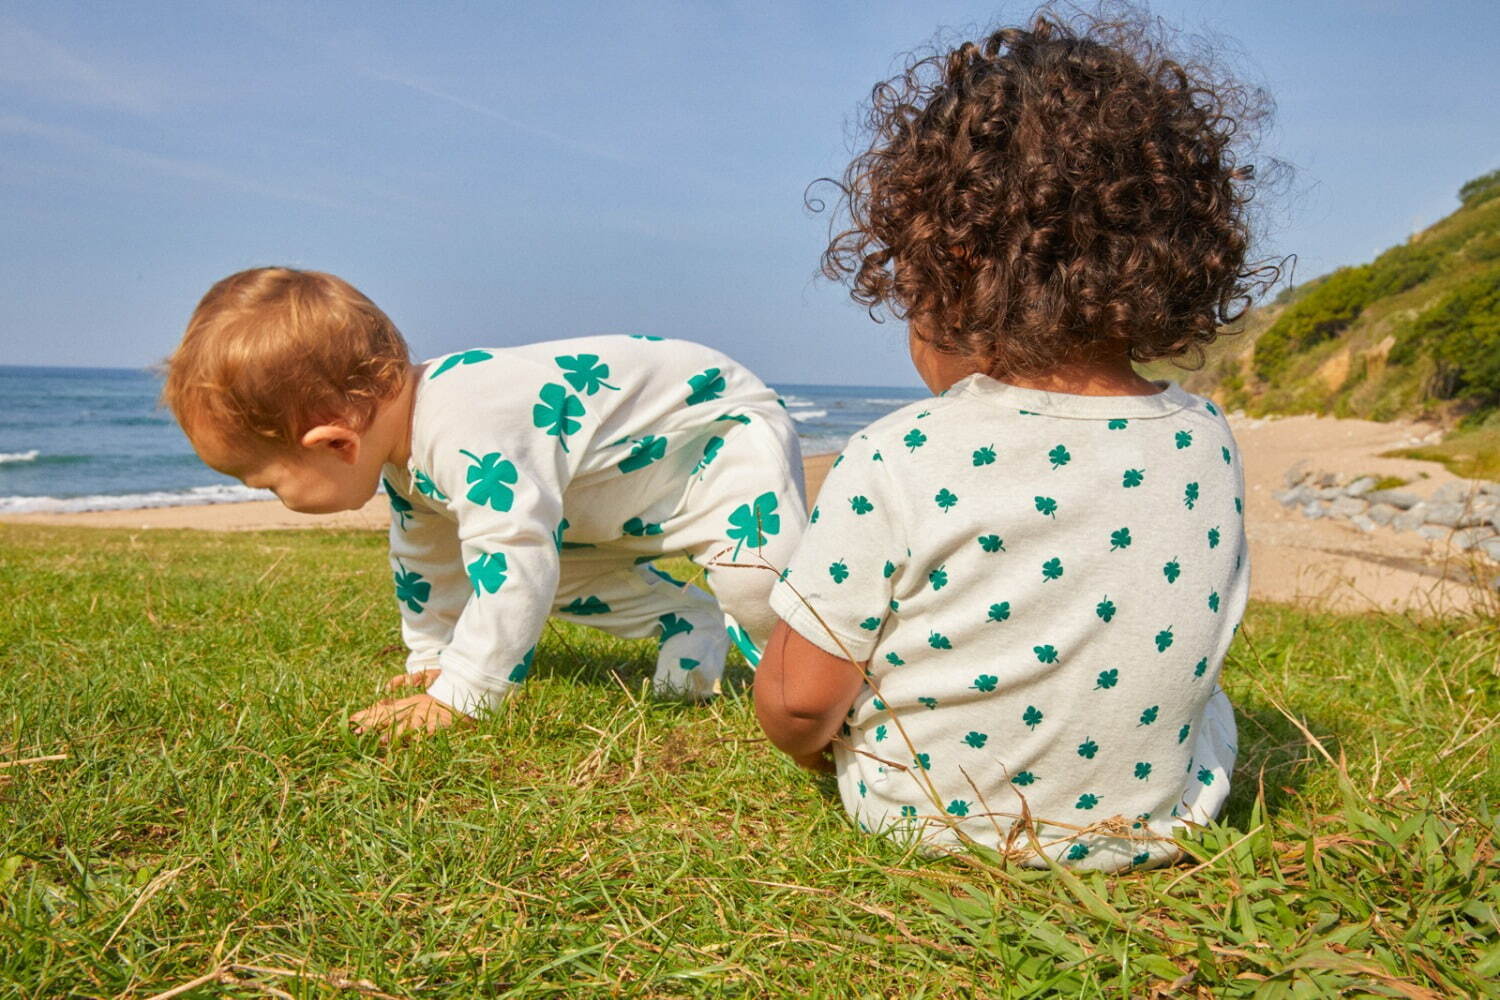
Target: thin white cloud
(51,71)
(566,141)
(180,169)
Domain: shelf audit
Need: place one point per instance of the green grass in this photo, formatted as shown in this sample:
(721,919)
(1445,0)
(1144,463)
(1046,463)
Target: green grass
(1474,454)
(200,813)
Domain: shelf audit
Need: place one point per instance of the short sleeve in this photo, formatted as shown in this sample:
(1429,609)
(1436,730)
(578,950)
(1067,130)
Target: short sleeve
(836,591)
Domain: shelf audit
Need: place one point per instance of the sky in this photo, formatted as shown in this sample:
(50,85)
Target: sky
(493,174)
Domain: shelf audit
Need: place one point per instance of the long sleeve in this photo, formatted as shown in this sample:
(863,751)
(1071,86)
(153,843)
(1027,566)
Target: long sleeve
(431,588)
(504,493)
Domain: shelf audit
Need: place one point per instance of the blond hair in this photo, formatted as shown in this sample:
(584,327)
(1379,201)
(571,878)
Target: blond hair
(272,352)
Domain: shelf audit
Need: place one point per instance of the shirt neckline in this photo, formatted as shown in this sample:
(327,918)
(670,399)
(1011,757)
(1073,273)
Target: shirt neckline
(1171,399)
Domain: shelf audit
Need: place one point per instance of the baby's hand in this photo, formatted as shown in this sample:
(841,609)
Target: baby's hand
(415,715)
(421,679)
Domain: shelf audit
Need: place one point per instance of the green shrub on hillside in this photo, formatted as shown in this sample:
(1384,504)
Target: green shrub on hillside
(1461,333)
(1328,308)
(1480,188)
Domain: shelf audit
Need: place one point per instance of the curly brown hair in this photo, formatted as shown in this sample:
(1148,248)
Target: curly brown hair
(1055,192)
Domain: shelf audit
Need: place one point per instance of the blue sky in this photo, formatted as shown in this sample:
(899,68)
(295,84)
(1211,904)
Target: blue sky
(500,173)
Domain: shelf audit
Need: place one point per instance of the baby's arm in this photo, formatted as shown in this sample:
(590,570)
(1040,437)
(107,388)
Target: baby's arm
(802,695)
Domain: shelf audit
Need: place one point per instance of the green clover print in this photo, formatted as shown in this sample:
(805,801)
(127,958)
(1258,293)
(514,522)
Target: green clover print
(816,513)
(461,358)
(938,640)
(1087,749)
(1132,478)
(985,455)
(557,411)
(991,543)
(985,683)
(710,451)
(584,372)
(1172,570)
(557,536)
(861,505)
(1183,439)
(958,807)
(1059,457)
(1024,778)
(1164,639)
(838,571)
(643,452)
(890,568)
(707,386)
(1143,770)
(894,660)
(870,624)
(1200,667)
(640,529)
(1190,496)
(1119,539)
(945,499)
(977,740)
(752,523)
(487,572)
(1107,679)
(1182,734)
(427,487)
(1210,407)
(938,578)
(590,605)
(1105,609)
(1086,801)
(1052,569)
(1045,654)
(492,478)
(1213,537)
(520,670)
(400,506)
(1117,424)
(411,589)
(928,702)
(914,439)
(1047,506)
(646,336)
(999,612)
(1225,452)
(880,733)
(923,760)
(1149,715)
(687,663)
(1032,717)
(1213,602)
(1077,852)
(1205,777)
(672,624)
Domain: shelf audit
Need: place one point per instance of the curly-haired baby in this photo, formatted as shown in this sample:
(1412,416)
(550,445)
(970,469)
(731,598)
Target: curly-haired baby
(1037,573)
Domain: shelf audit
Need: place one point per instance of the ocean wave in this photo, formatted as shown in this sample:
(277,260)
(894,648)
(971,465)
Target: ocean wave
(132,501)
(805,415)
(891,402)
(792,401)
(19,456)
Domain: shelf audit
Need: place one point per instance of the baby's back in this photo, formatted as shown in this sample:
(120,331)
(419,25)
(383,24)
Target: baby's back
(1045,586)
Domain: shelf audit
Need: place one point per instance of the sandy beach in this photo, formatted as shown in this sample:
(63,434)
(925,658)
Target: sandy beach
(1323,563)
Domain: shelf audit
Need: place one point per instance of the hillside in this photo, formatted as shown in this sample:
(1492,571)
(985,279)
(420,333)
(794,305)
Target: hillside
(1413,333)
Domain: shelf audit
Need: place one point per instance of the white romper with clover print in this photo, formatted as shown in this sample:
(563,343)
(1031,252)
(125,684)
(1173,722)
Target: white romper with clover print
(1044,586)
(545,478)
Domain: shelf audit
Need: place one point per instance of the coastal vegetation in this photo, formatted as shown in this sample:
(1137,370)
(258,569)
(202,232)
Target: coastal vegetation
(184,812)
(1413,333)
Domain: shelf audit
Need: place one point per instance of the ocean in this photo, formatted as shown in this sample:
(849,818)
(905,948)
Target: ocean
(75,439)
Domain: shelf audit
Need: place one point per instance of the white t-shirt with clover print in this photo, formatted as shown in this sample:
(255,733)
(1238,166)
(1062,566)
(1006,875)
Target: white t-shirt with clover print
(1044,586)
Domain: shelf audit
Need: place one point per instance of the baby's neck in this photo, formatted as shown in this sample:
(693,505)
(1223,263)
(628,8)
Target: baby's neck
(392,423)
(1111,377)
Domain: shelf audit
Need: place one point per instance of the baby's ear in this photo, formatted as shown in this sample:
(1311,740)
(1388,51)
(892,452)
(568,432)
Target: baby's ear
(337,438)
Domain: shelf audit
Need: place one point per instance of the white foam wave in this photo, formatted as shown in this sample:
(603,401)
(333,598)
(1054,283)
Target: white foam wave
(805,415)
(792,401)
(132,501)
(19,456)
(890,402)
